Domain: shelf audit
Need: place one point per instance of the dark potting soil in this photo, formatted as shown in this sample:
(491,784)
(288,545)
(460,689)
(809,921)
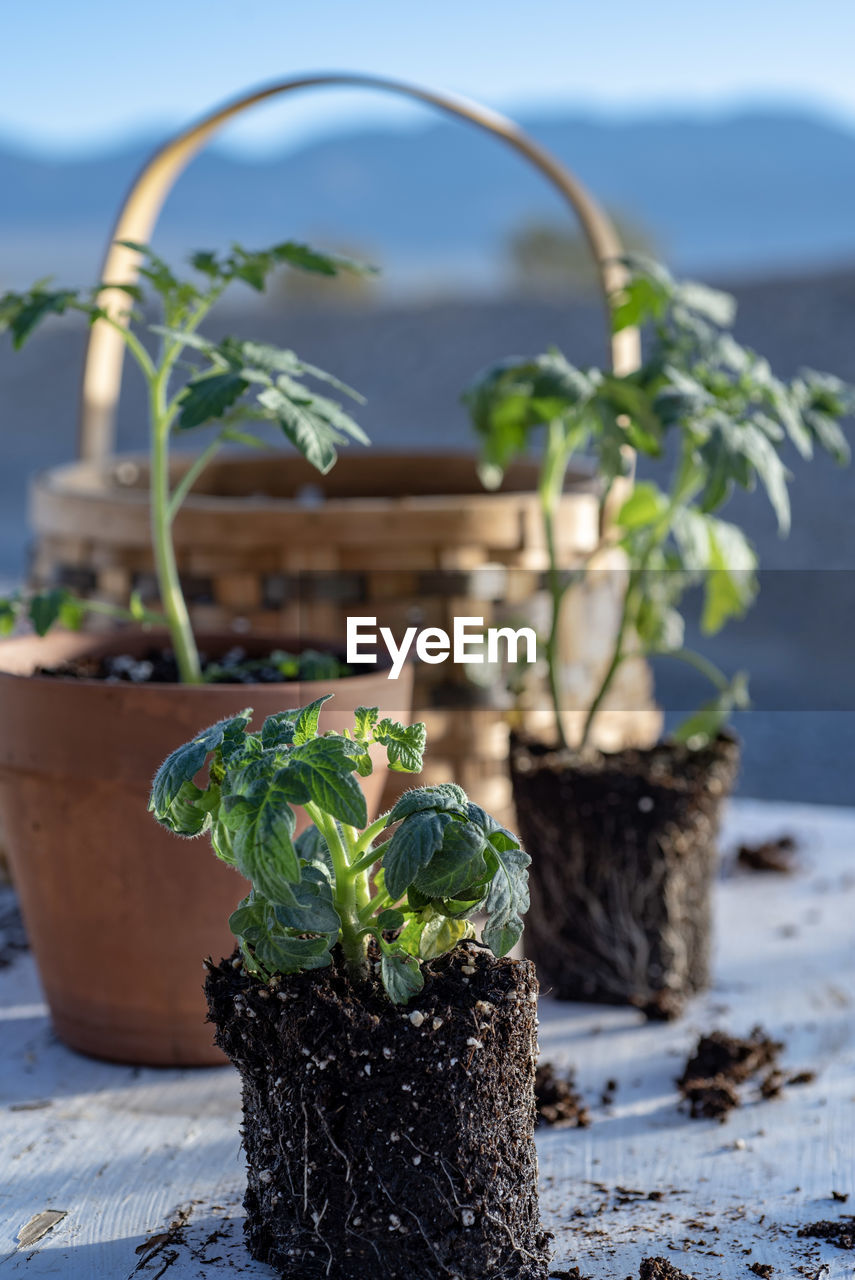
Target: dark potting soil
(650,1269)
(840,1233)
(660,1269)
(763,1269)
(386,1139)
(623,859)
(158,666)
(557,1100)
(721,1063)
(772,855)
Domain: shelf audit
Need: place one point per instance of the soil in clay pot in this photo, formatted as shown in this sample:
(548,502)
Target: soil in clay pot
(383,1139)
(623,851)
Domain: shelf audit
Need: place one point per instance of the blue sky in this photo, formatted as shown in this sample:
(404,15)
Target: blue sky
(80,74)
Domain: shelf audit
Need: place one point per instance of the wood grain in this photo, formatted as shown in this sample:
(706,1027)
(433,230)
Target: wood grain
(147,1168)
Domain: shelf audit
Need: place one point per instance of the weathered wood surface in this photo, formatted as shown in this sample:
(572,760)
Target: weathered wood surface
(111,1172)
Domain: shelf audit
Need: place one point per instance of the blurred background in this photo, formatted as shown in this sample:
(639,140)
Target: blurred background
(722,140)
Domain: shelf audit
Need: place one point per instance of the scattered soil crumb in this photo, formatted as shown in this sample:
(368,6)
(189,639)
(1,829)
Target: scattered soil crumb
(802,1077)
(772,855)
(166,1244)
(557,1100)
(660,1269)
(764,1269)
(608,1095)
(722,1062)
(572,1274)
(840,1233)
(840,1196)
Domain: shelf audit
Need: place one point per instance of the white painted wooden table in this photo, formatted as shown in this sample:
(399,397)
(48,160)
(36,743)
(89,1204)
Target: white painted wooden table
(146,1169)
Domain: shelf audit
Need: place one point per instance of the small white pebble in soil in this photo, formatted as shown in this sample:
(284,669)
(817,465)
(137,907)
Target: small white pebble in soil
(473,1043)
(407,1088)
(484,1006)
(394,1222)
(387,1052)
(367,1068)
(468,969)
(281,995)
(394,1137)
(307,1053)
(645,804)
(416,1017)
(467,1217)
(436,1024)
(417,1160)
(532,997)
(452,1062)
(739,1144)
(265,1176)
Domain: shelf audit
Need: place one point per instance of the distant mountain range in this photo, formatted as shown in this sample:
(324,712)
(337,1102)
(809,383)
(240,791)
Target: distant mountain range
(749,194)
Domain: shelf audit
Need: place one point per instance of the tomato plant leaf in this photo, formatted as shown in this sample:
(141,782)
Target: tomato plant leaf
(401,975)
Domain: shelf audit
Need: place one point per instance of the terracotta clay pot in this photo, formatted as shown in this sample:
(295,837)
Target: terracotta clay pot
(102,886)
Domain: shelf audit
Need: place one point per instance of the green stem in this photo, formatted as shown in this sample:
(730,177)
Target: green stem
(345,895)
(370,834)
(191,475)
(550,488)
(171,595)
(708,669)
(615,662)
(134,345)
(148,617)
(380,903)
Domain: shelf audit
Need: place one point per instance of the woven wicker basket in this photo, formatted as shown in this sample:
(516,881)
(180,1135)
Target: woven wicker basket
(407,540)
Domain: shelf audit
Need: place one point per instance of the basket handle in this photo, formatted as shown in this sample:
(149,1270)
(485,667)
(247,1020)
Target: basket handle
(102,370)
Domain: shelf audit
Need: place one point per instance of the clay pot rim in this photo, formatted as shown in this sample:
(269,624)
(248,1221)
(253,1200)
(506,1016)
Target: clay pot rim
(62,645)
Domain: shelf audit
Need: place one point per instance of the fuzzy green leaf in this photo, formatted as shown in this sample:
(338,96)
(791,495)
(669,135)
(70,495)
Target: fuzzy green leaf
(206,398)
(458,864)
(444,795)
(405,744)
(324,767)
(703,726)
(305,258)
(365,719)
(184,763)
(390,919)
(401,975)
(442,934)
(262,822)
(9,610)
(312,909)
(507,901)
(411,848)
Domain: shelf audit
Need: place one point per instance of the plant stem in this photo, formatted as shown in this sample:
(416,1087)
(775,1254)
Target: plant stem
(171,595)
(369,835)
(353,943)
(550,488)
(708,669)
(191,475)
(148,617)
(615,661)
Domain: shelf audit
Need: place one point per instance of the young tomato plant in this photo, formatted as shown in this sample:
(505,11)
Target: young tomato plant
(410,881)
(231,383)
(713,415)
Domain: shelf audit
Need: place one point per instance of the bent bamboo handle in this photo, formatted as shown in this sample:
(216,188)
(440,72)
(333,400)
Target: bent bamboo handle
(102,371)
